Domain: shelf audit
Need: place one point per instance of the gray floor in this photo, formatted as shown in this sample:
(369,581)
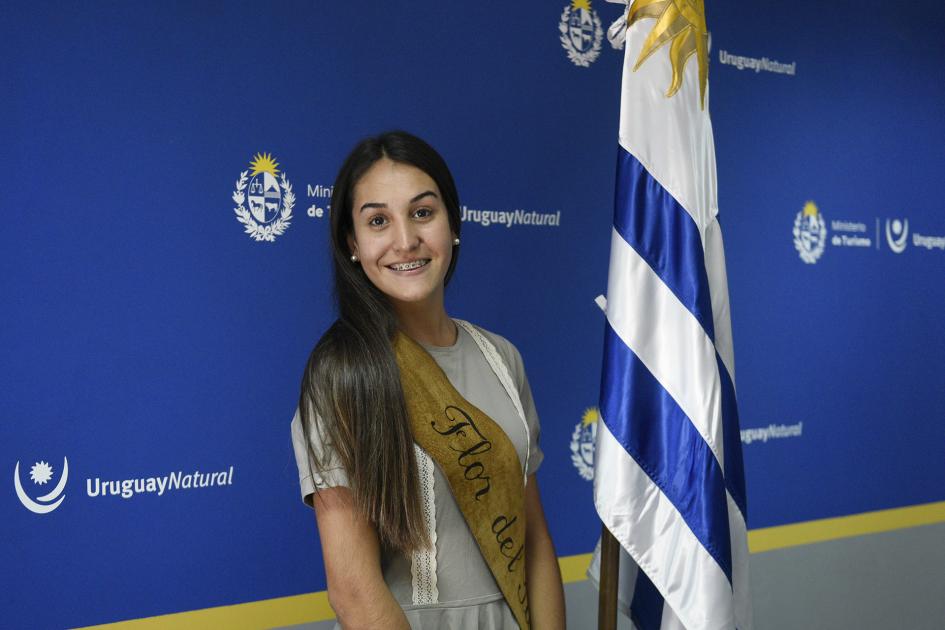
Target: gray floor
(884,581)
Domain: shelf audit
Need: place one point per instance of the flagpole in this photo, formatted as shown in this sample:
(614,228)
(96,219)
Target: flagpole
(609,577)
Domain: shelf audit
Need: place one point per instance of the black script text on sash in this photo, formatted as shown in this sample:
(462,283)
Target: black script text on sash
(467,445)
(506,544)
(466,439)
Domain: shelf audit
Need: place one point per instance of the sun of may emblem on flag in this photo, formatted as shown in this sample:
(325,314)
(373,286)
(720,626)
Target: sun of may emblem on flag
(682,24)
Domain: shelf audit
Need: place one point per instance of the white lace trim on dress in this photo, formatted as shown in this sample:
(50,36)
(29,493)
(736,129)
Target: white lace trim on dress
(502,372)
(423,561)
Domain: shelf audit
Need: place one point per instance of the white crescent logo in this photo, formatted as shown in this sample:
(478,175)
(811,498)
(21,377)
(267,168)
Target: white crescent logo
(45,507)
(897,245)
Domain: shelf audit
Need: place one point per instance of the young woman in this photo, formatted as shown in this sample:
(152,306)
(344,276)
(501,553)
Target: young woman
(417,436)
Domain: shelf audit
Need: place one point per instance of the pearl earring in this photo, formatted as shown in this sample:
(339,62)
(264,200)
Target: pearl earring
(354,258)
(456,241)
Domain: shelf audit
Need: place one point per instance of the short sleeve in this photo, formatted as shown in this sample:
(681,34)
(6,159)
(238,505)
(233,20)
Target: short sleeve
(536,455)
(308,456)
(517,369)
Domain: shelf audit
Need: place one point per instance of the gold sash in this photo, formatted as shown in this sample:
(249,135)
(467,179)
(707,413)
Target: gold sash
(480,463)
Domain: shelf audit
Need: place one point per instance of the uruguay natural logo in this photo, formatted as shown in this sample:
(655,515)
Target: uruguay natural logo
(897,234)
(270,198)
(41,473)
(580,33)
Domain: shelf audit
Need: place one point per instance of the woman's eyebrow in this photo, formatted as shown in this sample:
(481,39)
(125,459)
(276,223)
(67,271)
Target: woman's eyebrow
(372,205)
(425,193)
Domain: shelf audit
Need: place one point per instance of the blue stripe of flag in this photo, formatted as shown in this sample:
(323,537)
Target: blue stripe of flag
(646,605)
(732,441)
(664,235)
(652,428)
(646,608)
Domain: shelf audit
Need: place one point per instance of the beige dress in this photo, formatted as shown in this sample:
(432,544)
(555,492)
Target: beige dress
(466,595)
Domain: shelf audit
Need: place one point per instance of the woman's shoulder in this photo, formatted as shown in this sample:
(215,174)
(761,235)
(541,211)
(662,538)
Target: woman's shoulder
(505,348)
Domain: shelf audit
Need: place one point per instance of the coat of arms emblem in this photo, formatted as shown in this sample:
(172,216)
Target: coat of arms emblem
(580,33)
(810,233)
(270,198)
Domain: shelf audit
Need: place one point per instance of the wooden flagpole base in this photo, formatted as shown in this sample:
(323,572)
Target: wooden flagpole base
(609,579)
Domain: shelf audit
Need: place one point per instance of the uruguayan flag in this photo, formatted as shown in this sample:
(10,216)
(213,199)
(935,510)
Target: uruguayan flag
(669,482)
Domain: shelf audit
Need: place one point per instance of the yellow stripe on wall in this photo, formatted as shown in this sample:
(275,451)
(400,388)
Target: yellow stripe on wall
(268,613)
(783,536)
(574,568)
(287,611)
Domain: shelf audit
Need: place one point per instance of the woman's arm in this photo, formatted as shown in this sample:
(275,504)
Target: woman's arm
(545,591)
(356,588)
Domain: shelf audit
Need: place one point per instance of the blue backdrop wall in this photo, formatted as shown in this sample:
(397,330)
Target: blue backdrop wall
(152,347)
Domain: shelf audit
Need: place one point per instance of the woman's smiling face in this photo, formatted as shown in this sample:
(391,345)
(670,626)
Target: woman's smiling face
(402,233)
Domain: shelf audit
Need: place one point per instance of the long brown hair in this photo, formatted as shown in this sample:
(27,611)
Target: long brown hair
(351,393)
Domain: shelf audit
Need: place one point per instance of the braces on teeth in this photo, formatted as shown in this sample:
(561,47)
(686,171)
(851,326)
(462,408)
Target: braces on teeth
(408,266)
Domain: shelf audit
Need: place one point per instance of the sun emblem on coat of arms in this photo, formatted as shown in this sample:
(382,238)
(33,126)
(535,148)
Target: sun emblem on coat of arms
(681,24)
(270,199)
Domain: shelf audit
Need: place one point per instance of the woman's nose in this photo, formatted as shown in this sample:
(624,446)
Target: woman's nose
(406,237)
